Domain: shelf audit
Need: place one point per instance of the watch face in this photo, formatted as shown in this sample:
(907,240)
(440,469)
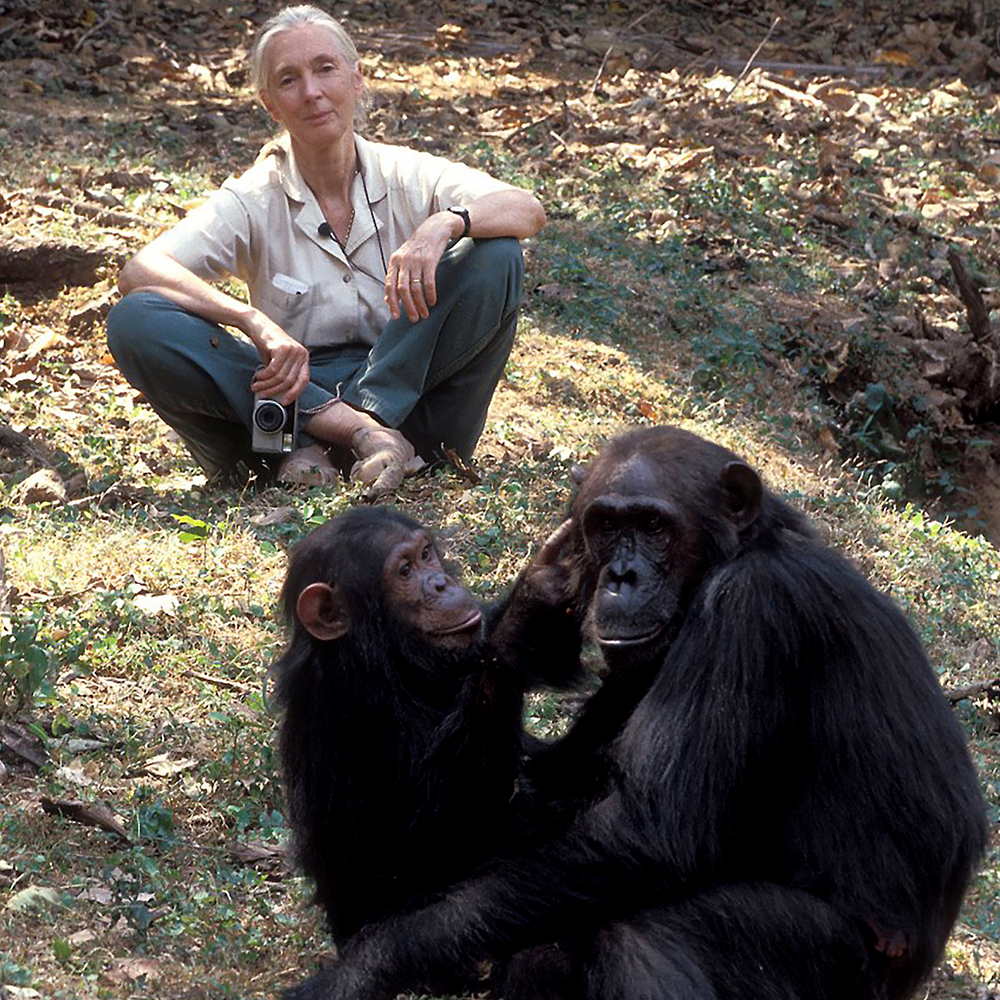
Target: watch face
(464,213)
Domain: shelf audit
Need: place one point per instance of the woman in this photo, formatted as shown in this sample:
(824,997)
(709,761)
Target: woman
(369,308)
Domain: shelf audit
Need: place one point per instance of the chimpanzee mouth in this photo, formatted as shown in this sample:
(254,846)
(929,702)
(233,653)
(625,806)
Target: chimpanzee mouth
(470,623)
(614,641)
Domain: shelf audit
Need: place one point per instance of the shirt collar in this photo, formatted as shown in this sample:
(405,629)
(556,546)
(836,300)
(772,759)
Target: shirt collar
(296,188)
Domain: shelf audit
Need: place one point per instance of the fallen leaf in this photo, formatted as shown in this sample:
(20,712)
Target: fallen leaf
(34,898)
(162,766)
(157,604)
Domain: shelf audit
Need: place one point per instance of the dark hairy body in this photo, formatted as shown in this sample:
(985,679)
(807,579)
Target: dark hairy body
(401,715)
(768,796)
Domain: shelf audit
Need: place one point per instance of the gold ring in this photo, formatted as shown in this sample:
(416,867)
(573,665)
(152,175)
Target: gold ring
(416,281)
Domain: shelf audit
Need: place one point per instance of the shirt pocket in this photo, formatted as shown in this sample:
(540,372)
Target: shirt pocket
(290,310)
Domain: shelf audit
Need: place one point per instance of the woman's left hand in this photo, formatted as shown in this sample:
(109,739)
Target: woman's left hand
(410,280)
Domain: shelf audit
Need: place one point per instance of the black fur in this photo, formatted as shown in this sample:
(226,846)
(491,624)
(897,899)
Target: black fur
(763,801)
(399,756)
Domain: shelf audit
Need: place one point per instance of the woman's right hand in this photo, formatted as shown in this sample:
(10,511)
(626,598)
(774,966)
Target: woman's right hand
(285,362)
(285,371)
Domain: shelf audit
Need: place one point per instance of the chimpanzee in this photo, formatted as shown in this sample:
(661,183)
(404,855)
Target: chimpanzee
(770,795)
(401,723)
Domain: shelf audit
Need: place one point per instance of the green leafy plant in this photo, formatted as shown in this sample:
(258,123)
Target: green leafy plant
(27,667)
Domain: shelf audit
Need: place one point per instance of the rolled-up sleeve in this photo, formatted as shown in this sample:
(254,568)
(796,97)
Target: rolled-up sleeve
(214,239)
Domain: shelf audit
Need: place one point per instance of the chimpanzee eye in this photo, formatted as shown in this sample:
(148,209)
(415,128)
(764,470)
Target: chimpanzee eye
(405,569)
(426,553)
(653,524)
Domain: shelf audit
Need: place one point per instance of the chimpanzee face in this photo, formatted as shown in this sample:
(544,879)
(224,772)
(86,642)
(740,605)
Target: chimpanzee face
(654,514)
(422,595)
(642,554)
(375,570)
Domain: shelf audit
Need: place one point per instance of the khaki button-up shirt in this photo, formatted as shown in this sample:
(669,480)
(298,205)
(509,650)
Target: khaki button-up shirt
(264,228)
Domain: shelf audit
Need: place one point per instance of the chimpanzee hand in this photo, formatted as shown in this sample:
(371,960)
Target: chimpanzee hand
(549,578)
(538,630)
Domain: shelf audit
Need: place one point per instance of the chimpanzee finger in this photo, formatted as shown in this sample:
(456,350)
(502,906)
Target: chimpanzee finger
(551,548)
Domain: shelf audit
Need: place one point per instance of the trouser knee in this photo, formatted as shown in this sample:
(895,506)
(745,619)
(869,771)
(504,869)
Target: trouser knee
(493,265)
(125,328)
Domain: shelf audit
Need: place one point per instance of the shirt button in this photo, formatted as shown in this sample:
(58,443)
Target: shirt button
(347,279)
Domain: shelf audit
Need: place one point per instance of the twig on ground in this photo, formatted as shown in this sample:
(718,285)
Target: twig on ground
(103,23)
(607,55)
(750,61)
(222,682)
(507,136)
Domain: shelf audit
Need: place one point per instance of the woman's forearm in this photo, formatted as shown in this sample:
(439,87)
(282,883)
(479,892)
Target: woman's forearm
(152,270)
(512,212)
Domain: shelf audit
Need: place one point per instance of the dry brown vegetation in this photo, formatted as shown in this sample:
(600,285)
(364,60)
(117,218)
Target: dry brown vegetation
(760,253)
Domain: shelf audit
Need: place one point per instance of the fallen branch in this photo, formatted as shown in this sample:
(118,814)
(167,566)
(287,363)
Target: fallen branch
(990,688)
(27,746)
(98,213)
(87,813)
(267,856)
(807,69)
(790,92)
(49,263)
(750,61)
(975,308)
(10,438)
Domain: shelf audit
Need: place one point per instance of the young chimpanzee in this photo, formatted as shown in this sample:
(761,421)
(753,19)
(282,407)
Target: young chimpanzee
(769,796)
(402,711)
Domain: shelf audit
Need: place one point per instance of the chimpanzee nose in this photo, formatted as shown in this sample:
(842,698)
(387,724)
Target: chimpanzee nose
(619,573)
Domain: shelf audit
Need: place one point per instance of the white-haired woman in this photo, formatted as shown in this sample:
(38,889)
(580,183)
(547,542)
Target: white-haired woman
(383,282)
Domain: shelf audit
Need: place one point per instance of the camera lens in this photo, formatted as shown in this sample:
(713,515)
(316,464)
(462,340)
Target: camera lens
(269,416)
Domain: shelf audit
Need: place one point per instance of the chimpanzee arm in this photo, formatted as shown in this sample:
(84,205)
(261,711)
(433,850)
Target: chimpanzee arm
(658,834)
(517,900)
(466,777)
(536,629)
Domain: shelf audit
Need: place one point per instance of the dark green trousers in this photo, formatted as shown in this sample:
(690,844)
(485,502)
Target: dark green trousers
(432,379)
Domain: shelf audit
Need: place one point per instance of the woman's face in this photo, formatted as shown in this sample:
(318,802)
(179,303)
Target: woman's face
(312,90)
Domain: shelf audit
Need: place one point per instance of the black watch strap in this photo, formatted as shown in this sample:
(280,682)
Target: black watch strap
(464,213)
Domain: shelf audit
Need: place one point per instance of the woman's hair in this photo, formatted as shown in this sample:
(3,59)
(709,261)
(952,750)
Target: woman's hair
(295,17)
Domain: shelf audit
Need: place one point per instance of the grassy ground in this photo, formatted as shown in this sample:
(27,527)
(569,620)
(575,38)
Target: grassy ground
(753,265)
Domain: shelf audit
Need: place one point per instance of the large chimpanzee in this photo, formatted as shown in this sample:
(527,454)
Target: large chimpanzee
(401,723)
(770,795)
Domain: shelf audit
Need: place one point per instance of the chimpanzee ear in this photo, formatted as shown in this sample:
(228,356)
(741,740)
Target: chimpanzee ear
(743,493)
(321,610)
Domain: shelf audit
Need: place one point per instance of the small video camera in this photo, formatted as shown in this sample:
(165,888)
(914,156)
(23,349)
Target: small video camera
(273,426)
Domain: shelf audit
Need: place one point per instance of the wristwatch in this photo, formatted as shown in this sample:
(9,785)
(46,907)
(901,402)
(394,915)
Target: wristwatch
(464,213)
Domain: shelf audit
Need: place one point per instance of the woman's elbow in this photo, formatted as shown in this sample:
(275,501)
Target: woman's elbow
(540,217)
(534,217)
(132,275)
